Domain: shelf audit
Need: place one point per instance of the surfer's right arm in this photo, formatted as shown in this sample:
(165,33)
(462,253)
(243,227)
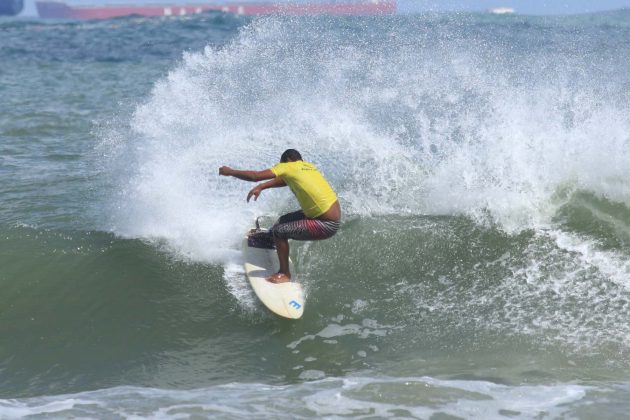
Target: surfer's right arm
(253,176)
(274,183)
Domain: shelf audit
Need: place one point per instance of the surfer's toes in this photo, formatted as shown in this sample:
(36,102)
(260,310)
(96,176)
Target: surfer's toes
(278,278)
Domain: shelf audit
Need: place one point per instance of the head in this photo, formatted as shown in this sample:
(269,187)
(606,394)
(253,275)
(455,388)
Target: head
(290,155)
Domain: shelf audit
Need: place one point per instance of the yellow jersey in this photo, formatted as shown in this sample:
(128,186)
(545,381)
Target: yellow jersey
(312,191)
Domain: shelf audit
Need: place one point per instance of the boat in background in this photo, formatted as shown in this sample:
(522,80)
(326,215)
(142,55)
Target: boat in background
(501,11)
(61,10)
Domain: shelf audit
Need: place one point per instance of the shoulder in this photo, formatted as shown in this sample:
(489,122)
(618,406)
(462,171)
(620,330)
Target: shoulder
(279,169)
(287,167)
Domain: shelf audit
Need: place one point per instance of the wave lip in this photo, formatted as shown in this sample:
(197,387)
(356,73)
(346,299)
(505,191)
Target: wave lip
(438,118)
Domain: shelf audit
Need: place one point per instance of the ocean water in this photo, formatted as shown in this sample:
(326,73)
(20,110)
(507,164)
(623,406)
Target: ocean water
(482,269)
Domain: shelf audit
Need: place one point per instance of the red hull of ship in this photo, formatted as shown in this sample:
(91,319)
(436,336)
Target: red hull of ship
(59,10)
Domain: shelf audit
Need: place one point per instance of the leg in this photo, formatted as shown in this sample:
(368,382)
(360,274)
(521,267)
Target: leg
(297,226)
(281,232)
(284,275)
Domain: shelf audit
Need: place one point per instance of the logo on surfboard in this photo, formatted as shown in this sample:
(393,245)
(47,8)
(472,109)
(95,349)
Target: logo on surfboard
(295,304)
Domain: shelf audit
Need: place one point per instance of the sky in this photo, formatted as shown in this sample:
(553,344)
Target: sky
(528,7)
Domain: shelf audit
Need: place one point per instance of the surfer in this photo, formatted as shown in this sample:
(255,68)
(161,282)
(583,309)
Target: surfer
(320,214)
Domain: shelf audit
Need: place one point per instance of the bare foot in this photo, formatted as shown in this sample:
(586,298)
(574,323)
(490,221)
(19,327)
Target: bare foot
(278,278)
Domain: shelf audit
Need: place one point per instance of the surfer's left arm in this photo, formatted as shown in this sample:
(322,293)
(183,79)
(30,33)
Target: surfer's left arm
(253,176)
(274,183)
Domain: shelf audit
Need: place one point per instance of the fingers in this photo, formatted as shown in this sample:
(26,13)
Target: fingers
(224,170)
(253,193)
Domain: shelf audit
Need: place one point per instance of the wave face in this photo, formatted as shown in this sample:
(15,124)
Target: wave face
(482,163)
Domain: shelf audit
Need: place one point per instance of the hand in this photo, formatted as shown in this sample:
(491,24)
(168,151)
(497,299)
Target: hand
(225,171)
(254,192)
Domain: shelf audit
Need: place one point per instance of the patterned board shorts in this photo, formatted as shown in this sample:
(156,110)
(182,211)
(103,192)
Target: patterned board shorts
(297,226)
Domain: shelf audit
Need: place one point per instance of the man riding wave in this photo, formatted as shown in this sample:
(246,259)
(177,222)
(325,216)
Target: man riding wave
(320,214)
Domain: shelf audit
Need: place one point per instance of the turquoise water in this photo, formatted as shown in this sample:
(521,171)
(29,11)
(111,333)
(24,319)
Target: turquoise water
(481,270)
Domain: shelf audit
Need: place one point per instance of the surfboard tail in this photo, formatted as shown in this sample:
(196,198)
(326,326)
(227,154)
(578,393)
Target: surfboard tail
(260,238)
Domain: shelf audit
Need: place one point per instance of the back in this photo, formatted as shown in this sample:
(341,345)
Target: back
(310,187)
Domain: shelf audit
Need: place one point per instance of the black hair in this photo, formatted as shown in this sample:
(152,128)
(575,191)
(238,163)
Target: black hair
(290,155)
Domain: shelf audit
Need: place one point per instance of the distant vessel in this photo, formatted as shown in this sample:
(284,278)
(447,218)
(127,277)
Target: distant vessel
(61,10)
(501,10)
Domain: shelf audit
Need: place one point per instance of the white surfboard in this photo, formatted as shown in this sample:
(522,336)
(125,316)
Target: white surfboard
(261,261)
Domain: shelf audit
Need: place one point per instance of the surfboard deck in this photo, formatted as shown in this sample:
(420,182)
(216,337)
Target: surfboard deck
(261,261)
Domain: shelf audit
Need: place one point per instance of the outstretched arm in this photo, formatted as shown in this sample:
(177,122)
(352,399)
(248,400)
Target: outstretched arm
(274,183)
(252,176)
